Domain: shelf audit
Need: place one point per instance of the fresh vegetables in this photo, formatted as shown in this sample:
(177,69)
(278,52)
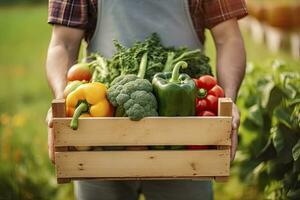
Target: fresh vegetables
(102,72)
(207,96)
(88,98)
(206,113)
(126,60)
(208,93)
(72,86)
(175,93)
(80,71)
(133,95)
(198,63)
(127,76)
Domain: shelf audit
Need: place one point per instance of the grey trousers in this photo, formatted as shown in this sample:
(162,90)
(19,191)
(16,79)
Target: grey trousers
(153,190)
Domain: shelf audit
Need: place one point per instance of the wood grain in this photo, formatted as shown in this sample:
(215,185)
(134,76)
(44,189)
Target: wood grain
(148,164)
(137,164)
(148,131)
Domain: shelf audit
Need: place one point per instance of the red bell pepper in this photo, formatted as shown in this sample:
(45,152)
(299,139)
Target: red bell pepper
(207,96)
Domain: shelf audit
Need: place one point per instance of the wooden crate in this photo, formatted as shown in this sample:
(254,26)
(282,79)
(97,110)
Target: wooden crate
(147,164)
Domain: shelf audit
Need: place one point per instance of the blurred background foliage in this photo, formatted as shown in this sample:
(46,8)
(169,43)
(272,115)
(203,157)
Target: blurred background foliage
(259,172)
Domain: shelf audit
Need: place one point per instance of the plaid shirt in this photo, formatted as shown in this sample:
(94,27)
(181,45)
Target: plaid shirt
(205,13)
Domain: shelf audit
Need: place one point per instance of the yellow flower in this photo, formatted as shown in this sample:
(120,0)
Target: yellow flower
(18,120)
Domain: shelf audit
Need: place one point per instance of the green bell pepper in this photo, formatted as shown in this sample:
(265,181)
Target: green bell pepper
(175,93)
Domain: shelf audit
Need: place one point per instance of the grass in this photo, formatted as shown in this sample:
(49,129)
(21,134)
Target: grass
(25,171)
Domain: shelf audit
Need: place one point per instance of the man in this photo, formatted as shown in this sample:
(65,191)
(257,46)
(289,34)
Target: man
(178,23)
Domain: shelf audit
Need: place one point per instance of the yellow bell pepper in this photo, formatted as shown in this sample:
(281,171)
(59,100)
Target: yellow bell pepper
(88,98)
(84,115)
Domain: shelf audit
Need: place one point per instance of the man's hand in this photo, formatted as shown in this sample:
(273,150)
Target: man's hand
(50,136)
(234,131)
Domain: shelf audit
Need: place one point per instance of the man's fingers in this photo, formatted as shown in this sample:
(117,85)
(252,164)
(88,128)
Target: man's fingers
(234,131)
(234,143)
(51,145)
(235,123)
(50,123)
(235,117)
(49,120)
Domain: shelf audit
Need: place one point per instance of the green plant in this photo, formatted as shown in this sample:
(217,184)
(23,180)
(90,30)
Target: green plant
(271,132)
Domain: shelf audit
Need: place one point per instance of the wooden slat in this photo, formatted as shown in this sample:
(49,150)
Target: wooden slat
(137,164)
(111,131)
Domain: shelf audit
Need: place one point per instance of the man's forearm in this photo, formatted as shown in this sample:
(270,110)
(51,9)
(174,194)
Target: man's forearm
(231,62)
(58,62)
(231,58)
(62,53)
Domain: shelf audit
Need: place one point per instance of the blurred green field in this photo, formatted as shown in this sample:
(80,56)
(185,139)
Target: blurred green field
(25,171)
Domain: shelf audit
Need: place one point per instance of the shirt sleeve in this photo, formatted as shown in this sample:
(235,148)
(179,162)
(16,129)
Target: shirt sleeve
(71,13)
(217,11)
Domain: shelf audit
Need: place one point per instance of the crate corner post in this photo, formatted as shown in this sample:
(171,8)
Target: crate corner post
(59,111)
(58,108)
(225,107)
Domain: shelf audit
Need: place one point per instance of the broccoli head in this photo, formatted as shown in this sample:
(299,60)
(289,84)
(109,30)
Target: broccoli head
(117,86)
(141,104)
(134,95)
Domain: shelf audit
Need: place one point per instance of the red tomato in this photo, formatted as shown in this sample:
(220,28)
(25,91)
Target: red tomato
(208,94)
(207,82)
(80,72)
(217,91)
(206,113)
